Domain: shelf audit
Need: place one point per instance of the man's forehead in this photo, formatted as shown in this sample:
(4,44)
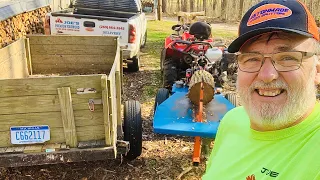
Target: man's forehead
(287,41)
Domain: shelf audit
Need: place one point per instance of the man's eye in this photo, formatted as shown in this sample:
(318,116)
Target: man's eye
(252,60)
(288,58)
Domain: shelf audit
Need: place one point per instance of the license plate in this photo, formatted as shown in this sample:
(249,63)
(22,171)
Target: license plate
(29,134)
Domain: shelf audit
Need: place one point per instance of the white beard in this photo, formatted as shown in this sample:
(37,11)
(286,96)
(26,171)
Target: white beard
(273,116)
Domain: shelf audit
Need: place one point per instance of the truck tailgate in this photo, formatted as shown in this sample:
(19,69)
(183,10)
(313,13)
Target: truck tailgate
(85,26)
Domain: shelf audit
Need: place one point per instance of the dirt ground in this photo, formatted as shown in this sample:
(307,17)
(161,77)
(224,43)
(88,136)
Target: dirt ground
(163,157)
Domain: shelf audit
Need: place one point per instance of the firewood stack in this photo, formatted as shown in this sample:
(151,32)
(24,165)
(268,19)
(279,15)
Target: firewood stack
(31,22)
(195,84)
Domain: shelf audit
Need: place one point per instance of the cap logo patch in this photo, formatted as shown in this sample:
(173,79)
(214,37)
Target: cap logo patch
(268,12)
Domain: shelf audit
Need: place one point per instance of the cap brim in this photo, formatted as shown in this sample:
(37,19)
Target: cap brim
(237,43)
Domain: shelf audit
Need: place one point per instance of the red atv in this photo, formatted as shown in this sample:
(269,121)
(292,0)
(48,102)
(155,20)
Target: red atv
(193,46)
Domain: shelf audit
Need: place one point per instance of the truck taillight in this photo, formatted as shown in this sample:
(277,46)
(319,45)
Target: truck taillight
(47,30)
(132,34)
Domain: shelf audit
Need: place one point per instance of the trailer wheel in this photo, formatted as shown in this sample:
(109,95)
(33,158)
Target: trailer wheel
(161,96)
(232,97)
(170,74)
(144,40)
(132,128)
(134,66)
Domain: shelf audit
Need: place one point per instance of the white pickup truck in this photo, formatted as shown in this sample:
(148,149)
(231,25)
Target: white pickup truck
(122,18)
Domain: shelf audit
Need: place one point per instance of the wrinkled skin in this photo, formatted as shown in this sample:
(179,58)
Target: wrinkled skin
(297,88)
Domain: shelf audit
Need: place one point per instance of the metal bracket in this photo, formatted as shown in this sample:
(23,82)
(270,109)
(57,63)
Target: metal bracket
(92,102)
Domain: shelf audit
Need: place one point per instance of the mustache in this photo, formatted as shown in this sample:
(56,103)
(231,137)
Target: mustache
(272,85)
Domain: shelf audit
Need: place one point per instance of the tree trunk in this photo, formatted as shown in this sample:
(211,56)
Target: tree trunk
(195,84)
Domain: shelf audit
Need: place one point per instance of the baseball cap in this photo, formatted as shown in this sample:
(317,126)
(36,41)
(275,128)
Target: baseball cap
(274,15)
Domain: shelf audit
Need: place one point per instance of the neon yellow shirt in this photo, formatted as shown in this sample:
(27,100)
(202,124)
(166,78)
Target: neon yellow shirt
(241,153)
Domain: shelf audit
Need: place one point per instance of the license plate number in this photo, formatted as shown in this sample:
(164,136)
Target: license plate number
(29,134)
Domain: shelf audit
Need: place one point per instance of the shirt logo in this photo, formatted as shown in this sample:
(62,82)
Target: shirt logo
(268,12)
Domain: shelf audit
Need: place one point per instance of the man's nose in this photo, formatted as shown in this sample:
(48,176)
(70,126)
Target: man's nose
(268,73)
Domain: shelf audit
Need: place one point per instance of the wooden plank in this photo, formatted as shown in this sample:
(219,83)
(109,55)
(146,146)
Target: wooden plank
(74,49)
(13,62)
(92,144)
(47,85)
(70,40)
(85,133)
(44,103)
(52,119)
(74,59)
(67,116)
(3,150)
(70,69)
(46,147)
(28,55)
(72,155)
(106,105)
(113,108)
(16,149)
(32,148)
(118,94)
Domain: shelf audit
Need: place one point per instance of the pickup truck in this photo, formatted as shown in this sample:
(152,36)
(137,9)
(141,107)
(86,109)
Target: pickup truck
(122,18)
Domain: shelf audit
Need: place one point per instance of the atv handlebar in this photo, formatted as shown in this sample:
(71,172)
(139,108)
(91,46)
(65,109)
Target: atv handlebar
(188,43)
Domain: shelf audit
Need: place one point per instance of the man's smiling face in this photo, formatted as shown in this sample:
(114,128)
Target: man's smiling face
(273,99)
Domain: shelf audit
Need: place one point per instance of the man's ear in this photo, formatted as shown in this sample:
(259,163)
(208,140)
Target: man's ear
(317,79)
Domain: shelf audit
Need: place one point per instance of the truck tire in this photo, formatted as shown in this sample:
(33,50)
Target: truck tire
(161,96)
(232,97)
(170,74)
(132,127)
(134,66)
(144,40)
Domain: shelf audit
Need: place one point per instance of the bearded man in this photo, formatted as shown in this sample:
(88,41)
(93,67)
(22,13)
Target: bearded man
(276,133)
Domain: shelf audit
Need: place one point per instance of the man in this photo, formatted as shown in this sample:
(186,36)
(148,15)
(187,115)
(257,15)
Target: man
(276,134)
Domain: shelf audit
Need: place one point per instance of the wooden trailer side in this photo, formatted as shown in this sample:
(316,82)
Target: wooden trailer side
(72,54)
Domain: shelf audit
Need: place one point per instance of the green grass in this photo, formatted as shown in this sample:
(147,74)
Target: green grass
(157,32)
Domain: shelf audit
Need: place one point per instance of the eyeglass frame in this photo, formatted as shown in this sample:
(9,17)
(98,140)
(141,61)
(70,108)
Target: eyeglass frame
(270,55)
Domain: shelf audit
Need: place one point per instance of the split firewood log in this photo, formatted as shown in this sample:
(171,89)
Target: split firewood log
(195,84)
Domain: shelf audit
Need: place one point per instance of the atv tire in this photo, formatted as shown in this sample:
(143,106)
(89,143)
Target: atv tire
(232,97)
(170,74)
(132,127)
(161,96)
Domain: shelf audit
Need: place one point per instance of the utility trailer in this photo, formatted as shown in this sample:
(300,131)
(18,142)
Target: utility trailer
(61,102)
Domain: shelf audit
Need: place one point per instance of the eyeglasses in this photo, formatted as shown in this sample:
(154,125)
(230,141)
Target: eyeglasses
(281,61)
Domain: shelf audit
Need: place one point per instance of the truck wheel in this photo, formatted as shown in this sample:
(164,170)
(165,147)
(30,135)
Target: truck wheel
(144,40)
(232,97)
(161,96)
(132,127)
(134,65)
(170,74)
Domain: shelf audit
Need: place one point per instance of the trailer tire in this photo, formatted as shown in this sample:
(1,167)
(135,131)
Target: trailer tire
(132,128)
(232,97)
(161,96)
(170,74)
(134,66)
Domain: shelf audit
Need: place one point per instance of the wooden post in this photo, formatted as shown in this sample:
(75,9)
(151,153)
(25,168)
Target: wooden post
(187,5)
(160,10)
(28,55)
(105,103)
(67,116)
(205,7)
